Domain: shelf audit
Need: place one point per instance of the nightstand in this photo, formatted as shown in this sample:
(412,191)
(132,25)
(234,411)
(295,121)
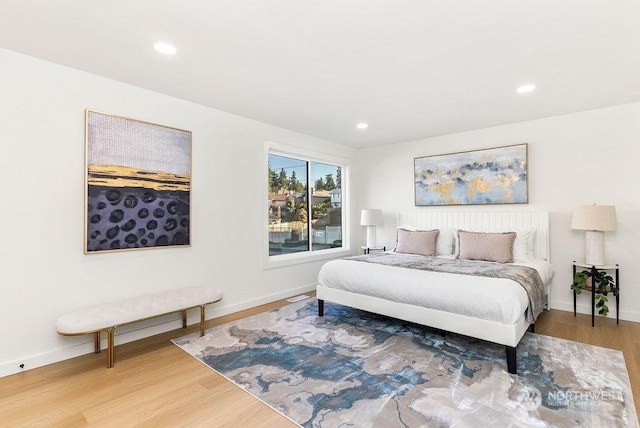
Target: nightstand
(594,269)
(367,250)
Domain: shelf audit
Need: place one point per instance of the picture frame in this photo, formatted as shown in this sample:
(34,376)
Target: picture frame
(137,184)
(497,175)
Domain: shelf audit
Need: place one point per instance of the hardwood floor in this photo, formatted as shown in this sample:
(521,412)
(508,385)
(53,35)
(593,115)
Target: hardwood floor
(154,383)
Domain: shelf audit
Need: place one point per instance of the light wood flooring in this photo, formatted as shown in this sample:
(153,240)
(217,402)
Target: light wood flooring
(156,384)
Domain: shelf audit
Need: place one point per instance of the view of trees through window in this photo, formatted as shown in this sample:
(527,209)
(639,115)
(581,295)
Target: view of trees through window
(303,217)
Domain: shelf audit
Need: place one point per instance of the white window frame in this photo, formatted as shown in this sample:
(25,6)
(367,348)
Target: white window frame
(306,256)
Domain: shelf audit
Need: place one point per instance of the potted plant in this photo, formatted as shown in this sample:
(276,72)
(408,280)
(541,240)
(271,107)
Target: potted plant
(603,284)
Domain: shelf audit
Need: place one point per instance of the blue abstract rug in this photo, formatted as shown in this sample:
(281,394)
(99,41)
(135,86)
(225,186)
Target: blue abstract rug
(354,368)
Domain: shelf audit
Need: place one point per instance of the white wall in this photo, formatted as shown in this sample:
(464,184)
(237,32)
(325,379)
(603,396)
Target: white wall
(577,159)
(44,272)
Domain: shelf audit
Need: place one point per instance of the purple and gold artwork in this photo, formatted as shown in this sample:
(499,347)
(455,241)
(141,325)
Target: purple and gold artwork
(138,183)
(490,176)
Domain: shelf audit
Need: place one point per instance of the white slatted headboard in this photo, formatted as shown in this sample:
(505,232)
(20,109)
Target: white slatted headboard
(484,220)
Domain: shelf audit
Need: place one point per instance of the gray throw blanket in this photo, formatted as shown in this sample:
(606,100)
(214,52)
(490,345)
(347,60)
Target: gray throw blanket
(527,277)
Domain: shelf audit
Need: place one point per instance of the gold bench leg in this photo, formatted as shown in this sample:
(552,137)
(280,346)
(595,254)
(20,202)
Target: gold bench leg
(96,336)
(184,318)
(202,320)
(111,333)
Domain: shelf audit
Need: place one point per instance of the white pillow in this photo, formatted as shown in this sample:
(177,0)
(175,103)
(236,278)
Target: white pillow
(445,243)
(523,250)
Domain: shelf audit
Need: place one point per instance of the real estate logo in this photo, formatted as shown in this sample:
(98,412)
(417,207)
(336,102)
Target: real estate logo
(529,397)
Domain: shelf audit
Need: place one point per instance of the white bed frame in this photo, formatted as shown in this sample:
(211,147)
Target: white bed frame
(503,334)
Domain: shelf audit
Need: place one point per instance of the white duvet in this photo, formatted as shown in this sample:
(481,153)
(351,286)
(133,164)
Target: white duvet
(493,299)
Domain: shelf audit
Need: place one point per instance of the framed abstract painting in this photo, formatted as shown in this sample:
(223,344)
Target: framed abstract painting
(138,184)
(489,176)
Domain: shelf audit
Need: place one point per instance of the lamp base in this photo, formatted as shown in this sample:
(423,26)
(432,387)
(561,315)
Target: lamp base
(371,237)
(594,247)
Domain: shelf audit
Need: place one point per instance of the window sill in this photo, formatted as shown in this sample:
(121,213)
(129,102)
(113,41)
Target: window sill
(273,262)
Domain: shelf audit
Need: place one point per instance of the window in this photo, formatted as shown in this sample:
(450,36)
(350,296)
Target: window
(305,205)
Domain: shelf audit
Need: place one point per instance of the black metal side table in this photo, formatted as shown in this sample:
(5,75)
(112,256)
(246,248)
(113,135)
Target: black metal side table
(367,250)
(592,288)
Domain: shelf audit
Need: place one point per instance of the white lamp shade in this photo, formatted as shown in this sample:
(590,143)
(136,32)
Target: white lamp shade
(594,217)
(371,217)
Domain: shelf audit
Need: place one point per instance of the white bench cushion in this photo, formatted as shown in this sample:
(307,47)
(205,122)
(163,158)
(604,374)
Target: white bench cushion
(99,317)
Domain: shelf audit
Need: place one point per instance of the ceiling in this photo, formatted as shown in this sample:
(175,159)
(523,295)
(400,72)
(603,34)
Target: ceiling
(409,68)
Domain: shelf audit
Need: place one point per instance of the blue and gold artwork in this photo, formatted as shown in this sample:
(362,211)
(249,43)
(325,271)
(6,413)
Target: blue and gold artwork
(491,176)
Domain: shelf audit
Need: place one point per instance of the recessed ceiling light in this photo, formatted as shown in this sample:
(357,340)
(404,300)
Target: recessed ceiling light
(362,125)
(525,88)
(165,48)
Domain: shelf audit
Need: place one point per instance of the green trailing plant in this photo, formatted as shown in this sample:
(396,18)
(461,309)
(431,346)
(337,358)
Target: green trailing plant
(603,285)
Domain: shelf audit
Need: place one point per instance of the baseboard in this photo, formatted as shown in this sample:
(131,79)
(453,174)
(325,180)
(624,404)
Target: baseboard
(84,344)
(583,308)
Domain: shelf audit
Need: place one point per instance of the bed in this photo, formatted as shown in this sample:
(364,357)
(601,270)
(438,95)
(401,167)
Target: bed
(407,286)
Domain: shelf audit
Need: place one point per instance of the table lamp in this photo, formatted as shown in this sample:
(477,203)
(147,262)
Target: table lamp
(371,218)
(595,220)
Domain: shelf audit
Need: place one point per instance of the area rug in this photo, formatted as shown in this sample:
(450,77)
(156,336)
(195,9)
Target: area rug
(354,368)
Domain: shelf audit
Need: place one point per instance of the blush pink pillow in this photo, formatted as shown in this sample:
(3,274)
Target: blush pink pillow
(421,242)
(491,247)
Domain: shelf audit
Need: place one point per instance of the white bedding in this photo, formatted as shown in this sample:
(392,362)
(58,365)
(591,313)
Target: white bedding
(492,299)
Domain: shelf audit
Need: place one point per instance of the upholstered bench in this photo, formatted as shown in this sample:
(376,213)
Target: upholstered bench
(109,316)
